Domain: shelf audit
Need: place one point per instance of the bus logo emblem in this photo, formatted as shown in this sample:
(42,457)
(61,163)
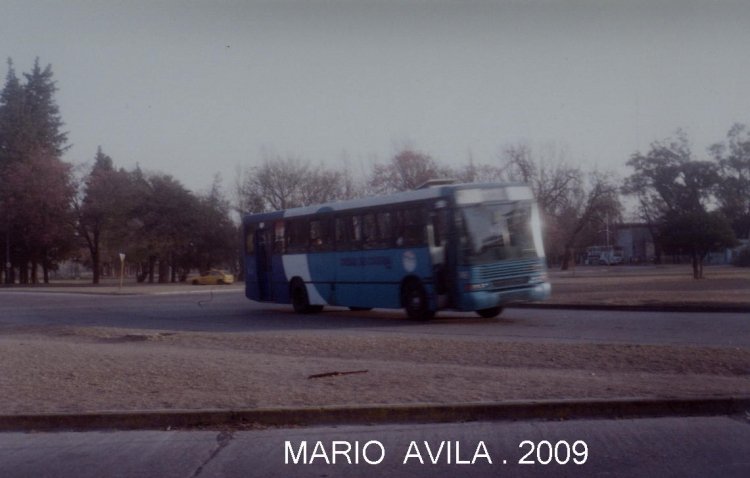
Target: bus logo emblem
(410,261)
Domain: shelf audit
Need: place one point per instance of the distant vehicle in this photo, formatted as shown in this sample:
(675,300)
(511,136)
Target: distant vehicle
(212,277)
(469,247)
(604,255)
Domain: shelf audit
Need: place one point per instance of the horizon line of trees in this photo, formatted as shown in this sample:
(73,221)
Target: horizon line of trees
(50,215)
(691,206)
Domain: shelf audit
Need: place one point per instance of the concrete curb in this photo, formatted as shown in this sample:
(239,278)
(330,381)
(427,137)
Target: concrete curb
(123,293)
(380,414)
(663,307)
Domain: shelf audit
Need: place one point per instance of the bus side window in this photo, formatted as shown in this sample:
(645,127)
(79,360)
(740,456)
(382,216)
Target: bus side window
(278,237)
(385,229)
(412,225)
(347,239)
(320,234)
(356,232)
(440,224)
(369,231)
(250,241)
(297,238)
(340,235)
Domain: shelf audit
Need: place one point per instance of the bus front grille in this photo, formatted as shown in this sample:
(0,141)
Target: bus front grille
(509,273)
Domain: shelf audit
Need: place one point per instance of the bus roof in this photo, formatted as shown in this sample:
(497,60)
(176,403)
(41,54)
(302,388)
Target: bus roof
(442,190)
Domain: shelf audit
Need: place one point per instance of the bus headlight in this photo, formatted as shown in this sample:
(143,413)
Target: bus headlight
(536,230)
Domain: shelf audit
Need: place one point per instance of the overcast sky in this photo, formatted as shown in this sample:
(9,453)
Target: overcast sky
(195,88)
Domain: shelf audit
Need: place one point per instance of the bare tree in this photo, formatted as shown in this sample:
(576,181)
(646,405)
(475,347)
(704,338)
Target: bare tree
(406,170)
(570,201)
(597,202)
(287,182)
(553,181)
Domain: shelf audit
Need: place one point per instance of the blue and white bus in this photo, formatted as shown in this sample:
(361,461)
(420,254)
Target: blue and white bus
(466,247)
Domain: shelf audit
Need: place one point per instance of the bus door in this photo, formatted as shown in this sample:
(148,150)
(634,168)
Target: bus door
(443,264)
(264,267)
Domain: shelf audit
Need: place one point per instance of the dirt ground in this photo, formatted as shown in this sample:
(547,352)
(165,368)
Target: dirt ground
(69,369)
(77,370)
(651,285)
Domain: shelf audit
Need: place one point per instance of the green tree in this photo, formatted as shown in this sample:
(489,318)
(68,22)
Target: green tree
(12,118)
(673,189)
(162,224)
(696,232)
(215,238)
(44,127)
(103,212)
(11,114)
(39,193)
(733,191)
(31,143)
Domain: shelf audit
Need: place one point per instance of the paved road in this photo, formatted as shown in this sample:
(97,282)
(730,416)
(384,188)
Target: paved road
(229,311)
(684,447)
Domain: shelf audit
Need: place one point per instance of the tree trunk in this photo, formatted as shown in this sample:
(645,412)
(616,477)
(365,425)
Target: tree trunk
(163,271)
(45,271)
(95,267)
(151,266)
(34,267)
(567,258)
(142,272)
(697,266)
(93,243)
(23,273)
(173,260)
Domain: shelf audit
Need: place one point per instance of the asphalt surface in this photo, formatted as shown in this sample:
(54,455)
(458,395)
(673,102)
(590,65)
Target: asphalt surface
(227,310)
(676,445)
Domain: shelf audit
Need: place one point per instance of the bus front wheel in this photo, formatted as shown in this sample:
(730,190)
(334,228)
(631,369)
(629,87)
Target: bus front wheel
(489,313)
(300,301)
(415,301)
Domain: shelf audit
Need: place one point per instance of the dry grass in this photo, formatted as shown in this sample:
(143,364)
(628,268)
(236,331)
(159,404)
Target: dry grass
(649,285)
(73,370)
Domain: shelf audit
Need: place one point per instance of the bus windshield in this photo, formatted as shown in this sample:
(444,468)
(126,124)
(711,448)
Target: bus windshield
(495,232)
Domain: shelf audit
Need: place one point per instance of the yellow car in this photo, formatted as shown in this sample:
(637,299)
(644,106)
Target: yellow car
(213,277)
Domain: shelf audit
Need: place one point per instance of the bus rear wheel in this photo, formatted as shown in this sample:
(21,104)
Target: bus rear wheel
(300,301)
(489,313)
(416,304)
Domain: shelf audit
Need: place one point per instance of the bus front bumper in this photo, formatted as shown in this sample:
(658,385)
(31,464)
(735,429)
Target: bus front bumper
(479,300)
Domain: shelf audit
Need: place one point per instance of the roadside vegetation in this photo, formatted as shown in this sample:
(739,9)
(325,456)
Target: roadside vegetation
(50,212)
